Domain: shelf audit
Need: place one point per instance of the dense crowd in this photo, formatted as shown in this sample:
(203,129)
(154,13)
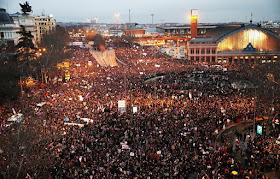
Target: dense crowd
(172,135)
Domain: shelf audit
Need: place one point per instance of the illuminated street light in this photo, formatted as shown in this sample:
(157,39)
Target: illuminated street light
(117,15)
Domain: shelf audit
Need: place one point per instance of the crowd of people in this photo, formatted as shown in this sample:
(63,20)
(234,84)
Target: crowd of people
(171,135)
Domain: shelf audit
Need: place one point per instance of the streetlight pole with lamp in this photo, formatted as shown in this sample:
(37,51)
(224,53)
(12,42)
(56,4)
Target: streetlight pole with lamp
(254,121)
(96,19)
(117,15)
(152,18)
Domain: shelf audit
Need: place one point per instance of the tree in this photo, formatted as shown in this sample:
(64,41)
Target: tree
(26,51)
(24,149)
(54,43)
(9,74)
(129,39)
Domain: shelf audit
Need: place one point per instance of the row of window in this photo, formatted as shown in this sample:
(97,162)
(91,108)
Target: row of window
(203,51)
(41,23)
(43,19)
(6,34)
(203,59)
(183,31)
(202,42)
(246,61)
(231,60)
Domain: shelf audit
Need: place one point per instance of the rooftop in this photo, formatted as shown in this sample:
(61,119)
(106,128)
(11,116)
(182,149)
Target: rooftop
(221,30)
(188,27)
(4,17)
(202,40)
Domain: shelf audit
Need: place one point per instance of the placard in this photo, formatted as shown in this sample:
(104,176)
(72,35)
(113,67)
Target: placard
(121,106)
(259,129)
(134,109)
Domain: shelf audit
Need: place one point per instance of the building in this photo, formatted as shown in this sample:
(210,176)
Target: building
(10,25)
(235,44)
(194,18)
(26,20)
(184,30)
(8,29)
(202,49)
(135,32)
(44,25)
(116,31)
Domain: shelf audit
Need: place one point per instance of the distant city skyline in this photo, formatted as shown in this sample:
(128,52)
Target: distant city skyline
(165,11)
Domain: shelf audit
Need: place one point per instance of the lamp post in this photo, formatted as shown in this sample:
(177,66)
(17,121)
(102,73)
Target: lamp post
(152,18)
(117,15)
(130,94)
(43,68)
(96,19)
(254,122)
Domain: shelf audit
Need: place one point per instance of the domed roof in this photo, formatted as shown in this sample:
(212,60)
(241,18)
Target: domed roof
(5,18)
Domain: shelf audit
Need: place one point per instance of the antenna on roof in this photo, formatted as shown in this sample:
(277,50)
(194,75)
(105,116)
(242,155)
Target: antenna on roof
(152,18)
(43,12)
(129,16)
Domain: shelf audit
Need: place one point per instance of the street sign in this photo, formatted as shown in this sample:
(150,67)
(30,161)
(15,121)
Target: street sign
(259,129)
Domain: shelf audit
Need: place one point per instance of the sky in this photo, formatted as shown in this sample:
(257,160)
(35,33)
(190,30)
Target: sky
(165,11)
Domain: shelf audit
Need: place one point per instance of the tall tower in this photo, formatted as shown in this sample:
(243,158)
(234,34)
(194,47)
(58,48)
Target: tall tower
(194,15)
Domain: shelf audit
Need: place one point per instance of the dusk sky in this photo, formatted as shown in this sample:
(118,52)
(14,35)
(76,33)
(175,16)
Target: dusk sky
(210,11)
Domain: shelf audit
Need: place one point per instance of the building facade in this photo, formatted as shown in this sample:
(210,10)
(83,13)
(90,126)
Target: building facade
(10,25)
(26,20)
(8,29)
(184,31)
(44,24)
(202,49)
(243,44)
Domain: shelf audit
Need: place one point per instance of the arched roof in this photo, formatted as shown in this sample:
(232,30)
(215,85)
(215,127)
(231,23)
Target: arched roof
(262,40)
(268,32)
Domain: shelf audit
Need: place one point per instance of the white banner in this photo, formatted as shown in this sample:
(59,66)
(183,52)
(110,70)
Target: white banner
(134,109)
(121,106)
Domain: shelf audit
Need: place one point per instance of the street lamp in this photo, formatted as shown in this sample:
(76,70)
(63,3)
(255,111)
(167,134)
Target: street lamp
(117,15)
(254,121)
(96,19)
(152,18)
